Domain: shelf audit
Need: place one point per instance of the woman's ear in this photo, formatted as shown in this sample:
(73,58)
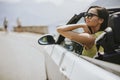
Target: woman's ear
(101,20)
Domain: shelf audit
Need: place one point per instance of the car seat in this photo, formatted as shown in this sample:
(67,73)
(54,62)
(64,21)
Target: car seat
(110,40)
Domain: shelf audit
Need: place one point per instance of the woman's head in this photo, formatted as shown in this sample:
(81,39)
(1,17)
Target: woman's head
(95,16)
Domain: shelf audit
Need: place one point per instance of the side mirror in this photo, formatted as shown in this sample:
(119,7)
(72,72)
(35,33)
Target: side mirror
(46,40)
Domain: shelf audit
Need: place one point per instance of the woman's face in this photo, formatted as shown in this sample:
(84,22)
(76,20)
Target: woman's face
(91,18)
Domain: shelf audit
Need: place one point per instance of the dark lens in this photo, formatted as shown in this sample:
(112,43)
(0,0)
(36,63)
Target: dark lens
(85,14)
(89,15)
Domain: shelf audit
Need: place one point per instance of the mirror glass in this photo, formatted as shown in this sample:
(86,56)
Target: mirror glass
(46,40)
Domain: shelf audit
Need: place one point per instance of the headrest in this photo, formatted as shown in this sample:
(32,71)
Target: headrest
(114,23)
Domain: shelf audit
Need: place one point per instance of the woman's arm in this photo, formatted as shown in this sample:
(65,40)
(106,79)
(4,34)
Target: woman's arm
(85,38)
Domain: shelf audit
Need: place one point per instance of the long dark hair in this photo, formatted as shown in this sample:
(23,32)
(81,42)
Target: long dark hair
(102,13)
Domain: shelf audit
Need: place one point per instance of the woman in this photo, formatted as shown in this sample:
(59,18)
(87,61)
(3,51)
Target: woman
(96,19)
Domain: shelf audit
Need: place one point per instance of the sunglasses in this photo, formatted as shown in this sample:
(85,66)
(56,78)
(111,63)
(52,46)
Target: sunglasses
(89,15)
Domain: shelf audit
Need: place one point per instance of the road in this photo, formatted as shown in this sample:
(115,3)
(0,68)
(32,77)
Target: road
(21,57)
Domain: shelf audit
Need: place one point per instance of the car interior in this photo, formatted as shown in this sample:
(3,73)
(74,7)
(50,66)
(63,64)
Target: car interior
(110,41)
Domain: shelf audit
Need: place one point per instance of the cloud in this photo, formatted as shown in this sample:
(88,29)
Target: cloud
(87,1)
(10,1)
(58,2)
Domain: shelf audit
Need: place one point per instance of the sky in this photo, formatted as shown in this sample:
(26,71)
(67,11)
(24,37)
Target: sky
(58,2)
(40,12)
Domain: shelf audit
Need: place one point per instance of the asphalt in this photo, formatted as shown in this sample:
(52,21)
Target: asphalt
(21,57)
